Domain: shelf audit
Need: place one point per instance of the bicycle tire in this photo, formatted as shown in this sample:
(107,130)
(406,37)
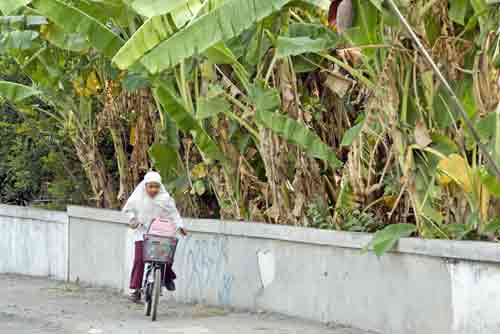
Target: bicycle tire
(148,299)
(156,294)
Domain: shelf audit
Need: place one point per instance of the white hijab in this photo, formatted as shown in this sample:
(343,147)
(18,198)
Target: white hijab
(145,209)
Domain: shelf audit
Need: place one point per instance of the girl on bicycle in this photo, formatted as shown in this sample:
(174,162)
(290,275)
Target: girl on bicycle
(150,200)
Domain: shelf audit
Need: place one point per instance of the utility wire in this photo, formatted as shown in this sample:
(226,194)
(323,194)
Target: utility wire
(443,80)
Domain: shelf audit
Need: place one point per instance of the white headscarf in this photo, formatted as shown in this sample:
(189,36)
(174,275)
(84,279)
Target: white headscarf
(144,209)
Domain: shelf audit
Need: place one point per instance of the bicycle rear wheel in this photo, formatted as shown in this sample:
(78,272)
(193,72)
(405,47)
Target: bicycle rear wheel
(156,294)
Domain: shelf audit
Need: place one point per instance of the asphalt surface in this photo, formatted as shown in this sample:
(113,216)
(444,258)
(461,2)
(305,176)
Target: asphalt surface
(39,306)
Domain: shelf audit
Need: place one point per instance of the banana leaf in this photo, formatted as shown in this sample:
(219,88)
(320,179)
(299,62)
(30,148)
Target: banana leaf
(15,93)
(150,34)
(305,38)
(154,31)
(384,240)
(21,20)
(223,23)
(165,159)
(73,20)
(296,133)
(134,81)
(323,4)
(19,40)
(267,99)
(294,46)
(458,10)
(102,11)
(72,42)
(9,6)
(210,107)
(365,26)
(150,8)
(311,30)
(351,135)
(188,124)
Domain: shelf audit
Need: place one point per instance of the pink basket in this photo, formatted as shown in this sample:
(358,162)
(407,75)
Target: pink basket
(162,228)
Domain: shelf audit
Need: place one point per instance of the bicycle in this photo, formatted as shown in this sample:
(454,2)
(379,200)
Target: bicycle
(159,251)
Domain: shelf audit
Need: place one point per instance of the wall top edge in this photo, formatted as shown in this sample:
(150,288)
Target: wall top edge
(25,212)
(449,249)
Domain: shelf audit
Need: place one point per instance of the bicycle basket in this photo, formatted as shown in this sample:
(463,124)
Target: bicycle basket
(159,249)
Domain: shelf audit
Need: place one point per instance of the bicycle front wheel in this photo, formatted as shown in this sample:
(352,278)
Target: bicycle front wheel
(156,294)
(147,299)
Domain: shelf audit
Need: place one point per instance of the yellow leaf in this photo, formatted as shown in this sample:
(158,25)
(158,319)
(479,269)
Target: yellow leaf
(87,92)
(443,179)
(92,83)
(77,87)
(484,201)
(199,171)
(207,71)
(389,201)
(132,136)
(455,168)
(44,31)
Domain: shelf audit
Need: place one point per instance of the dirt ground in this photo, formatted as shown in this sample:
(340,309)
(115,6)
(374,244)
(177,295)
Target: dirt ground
(32,305)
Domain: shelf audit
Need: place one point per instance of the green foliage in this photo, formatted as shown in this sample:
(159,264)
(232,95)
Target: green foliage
(134,81)
(212,106)
(493,227)
(458,10)
(266,99)
(9,6)
(151,8)
(35,168)
(188,124)
(166,161)
(221,24)
(298,134)
(223,71)
(384,240)
(351,134)
(305,38)
(75,42)
(357,221)
(294,46)
(149,35)
(318,212)
(73,20)
(18,40)
(15,92)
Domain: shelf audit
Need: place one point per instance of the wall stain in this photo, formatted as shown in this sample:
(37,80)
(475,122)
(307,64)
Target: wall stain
(206,261)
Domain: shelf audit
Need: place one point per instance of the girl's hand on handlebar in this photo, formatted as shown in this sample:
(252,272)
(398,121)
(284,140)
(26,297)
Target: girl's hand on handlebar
(133,224)
(183,231)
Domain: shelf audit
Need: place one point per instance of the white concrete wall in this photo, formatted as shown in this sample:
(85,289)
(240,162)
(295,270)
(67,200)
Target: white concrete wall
(33,242)
(424,286)
(101,247)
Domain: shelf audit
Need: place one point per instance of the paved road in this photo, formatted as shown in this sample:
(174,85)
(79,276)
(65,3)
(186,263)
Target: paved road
(40,306)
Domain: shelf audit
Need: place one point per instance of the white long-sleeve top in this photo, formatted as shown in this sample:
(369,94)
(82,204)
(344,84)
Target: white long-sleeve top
(145,210)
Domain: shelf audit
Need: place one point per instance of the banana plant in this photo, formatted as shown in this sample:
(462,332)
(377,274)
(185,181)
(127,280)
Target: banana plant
(285,104)
(15,92)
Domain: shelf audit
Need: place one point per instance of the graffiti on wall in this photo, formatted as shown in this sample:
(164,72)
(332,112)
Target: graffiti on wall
(205,267)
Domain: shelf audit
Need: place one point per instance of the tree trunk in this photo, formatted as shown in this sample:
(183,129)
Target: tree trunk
(140,134)
(144,128)
(289,194)
(112,117)
(92,161)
